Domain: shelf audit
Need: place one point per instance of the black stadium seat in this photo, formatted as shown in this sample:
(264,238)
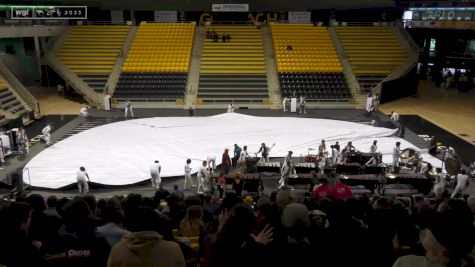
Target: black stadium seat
(168,86)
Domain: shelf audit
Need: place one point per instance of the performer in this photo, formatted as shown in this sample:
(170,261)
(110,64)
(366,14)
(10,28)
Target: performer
(155,171)
(188,180)
(322,149)
(47,134)
(472,169)
(83,112)
(415,162)
(231,108)
(369,102)
(440,184)
(22,141)
(462,183)
(335,154)
(302,105)
(243,158)
(237,154)
(225,161)
(128,108)
(376,102)
(374,147)
(211,163)
(82,182)
(203,177)
(396,155)
(288,158)
(337,146)
(284,103)
(2,151)
(394,116)
(265,152)
(287,169)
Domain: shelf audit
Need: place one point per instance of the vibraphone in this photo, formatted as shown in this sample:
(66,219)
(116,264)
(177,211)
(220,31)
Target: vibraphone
(269,167)
(305,167)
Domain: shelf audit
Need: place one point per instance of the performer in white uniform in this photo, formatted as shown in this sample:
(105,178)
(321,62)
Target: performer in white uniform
(83,178)
(335,154)
(128,108)
(288,158)
(230,108)
(243,158)
(155,171)
(394,116)
(396,155)
(265,152)
(286,170)
(83,112)
(211,163)
(2,151)
(322,149)
(369,102)
(47,134)
(188,180)
(203,177)
(440,184)
(462,181)
(374,147)
(284,103)
(302,105)
(22,140)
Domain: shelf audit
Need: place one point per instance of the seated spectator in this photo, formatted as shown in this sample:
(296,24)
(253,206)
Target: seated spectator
(192,225)
(289,48)
(177,191)
(39,221)
(51,204)
(77,243)
(17,248)
(144,246)
(208,34)
(113,229)
(447,241)
(223,37)
(228,37)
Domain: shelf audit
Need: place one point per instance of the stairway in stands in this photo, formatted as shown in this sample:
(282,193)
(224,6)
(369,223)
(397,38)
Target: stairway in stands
(235,70)
(373,52)
(11,104)
(91,51)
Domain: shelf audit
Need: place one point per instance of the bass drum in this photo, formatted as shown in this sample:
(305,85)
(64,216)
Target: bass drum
(452,165)
(406,154)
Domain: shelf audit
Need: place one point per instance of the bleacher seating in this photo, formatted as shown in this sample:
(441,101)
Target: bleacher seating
(9,101)
(158,61)
(91,52)
(373,52)
(235,70)
(311,67)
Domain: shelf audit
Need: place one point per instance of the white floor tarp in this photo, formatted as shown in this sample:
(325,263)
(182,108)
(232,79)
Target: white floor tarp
(121,153)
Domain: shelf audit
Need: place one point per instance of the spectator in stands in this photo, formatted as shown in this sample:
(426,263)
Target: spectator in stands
(51,204)
(145,246)
(192,224)
(17,249)
(289,48)
(223,37)
(208,34)
(236,243)
(112,230)
(178,191)
(226,161)
(77,243)
(448,239)
(221,184)
(238,184)
(214,35)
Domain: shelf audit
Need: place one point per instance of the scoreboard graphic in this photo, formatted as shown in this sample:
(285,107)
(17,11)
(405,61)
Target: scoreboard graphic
(48,12)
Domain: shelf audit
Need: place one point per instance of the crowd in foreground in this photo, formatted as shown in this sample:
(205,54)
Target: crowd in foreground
(172,229)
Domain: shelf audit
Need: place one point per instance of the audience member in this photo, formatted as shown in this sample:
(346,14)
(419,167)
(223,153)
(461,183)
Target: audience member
(113,229)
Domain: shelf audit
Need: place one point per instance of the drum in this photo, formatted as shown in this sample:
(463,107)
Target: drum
(452,165)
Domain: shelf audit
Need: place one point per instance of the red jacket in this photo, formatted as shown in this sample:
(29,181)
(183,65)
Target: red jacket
(226,161)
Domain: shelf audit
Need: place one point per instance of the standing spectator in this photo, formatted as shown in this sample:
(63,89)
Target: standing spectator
(226,161)
(238,184)
(145,246)
(237,154)
(221,185)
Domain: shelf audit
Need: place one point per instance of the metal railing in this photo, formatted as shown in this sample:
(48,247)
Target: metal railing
(82,22)
(398,24)
(20,88)
(224,23)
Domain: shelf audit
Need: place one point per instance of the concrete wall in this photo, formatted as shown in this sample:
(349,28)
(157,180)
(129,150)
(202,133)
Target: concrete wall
(30,31)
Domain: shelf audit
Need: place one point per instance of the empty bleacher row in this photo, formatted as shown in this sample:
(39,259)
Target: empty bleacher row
(151,86)
(9,101)
(158,62)
(91,52)
(322,86)
(235,70)
(307,63)
(373,51)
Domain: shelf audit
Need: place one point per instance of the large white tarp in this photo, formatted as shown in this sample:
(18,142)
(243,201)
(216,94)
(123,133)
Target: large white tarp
(121,153)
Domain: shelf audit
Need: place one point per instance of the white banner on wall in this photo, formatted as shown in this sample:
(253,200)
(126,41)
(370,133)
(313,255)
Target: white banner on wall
(166,15)
(230,7)
(300,17)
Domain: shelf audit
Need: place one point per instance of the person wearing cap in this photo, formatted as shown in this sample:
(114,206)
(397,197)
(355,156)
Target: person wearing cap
(448,239)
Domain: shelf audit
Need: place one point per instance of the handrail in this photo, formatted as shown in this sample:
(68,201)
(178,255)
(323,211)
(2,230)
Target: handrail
(217,23)
(90,95)
(365,23)
(20,88)
(102,22)
(398,24)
